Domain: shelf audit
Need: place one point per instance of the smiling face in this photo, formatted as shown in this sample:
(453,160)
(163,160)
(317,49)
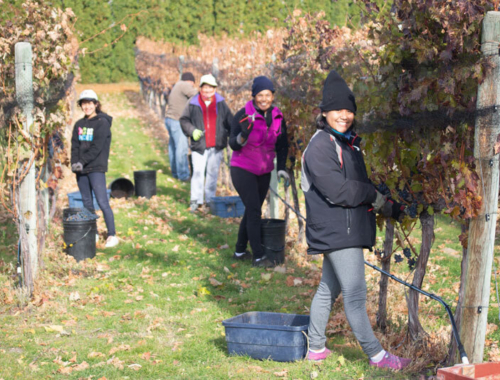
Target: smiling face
(340,120)
(207,91)
(88,108)
(264,100)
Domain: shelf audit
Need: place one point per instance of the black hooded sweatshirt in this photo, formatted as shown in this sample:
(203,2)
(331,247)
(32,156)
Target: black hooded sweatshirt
(338,192)
(90,143)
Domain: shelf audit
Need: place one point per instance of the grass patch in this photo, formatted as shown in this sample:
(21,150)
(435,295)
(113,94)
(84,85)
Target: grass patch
(149,309)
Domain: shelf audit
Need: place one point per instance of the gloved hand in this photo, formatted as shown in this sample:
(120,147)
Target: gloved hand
(197,133)
(283,174)
(379,201)
(398,211)
(247,125)
(77,167)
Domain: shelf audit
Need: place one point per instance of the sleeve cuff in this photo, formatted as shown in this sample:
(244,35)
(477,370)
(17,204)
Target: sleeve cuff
(239,140)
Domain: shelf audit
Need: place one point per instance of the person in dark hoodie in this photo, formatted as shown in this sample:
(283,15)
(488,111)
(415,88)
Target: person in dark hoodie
(90,146)
(258,134)
(341,203)
(206,120)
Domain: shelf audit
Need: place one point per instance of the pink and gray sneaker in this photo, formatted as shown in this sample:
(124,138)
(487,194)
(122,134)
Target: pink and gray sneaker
(391,361)
(318,356)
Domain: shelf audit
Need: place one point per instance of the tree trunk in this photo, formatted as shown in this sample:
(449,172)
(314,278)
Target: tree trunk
(415,328)
(452,353)
(384,280)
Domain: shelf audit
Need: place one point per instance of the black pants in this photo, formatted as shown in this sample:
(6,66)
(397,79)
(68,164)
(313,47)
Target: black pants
(252,190)
(96,183)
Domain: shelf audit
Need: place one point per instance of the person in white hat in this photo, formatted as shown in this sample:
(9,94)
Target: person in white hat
(90,144)
(206,120)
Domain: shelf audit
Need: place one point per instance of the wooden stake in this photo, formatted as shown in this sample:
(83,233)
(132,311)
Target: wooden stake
(27,191)
(482,228)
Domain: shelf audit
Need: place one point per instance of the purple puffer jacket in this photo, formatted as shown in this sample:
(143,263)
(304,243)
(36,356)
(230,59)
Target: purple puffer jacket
(258,154)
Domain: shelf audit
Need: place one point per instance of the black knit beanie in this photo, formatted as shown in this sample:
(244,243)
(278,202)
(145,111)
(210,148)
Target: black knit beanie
(187,76)
(337,95)
(260,84)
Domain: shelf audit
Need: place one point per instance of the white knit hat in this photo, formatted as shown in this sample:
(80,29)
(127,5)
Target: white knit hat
(88,95)
(208,79)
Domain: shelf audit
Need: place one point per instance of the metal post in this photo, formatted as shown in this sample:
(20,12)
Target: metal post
(274,208)
(27,190)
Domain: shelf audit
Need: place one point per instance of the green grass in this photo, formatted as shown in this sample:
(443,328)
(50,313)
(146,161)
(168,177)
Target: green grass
(150,301)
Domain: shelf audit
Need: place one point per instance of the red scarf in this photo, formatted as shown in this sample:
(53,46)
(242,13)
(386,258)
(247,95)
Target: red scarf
(210,120)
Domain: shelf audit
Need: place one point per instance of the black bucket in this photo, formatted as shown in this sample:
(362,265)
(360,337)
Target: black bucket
(79,239)
(145,183)
(70,211)
(121,188)
(273,239)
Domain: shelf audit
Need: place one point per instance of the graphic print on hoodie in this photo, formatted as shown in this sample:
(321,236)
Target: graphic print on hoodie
(86,134)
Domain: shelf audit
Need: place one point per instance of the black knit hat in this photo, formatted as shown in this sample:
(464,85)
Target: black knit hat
(187,76)
(260,84)
(337,95)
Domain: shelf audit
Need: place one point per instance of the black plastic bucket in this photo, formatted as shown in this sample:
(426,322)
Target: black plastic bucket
(79,239)
(70,211)
(145,183)
(121,188)
(273,239)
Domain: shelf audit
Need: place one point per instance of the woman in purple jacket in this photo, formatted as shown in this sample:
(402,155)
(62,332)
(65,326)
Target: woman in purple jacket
(258,135)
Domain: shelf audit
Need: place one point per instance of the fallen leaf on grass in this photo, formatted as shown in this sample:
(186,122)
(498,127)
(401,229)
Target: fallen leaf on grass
(214,282)
(135,367)
(266,276)
(53,328)
(175,249)
(121,347)
(75,296)
(146,356)
(283,373)
(280,269)
(96,355)
(117,363)
(81,367)
(314,374)
(225,246)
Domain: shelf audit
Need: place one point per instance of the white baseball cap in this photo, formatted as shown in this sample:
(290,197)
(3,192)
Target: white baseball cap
(88,95)
(208,79)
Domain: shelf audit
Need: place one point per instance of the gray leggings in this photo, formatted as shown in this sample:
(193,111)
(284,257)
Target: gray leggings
(343,271)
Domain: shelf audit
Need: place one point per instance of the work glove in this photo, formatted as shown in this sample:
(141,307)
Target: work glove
(283,174)
(379,201)
(197,133)
(247,125)
(77,167)
(398,211)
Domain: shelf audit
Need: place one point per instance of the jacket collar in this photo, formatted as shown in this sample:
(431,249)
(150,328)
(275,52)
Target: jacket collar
(195,99)
(354,140)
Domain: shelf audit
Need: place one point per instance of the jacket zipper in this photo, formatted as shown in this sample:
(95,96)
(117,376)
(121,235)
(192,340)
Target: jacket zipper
(348,221)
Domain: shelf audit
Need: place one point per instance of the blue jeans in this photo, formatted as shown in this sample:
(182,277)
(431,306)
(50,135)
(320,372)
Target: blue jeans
(96,183)
(177,150)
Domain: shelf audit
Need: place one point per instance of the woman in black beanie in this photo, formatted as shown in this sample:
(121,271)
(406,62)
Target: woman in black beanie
(341,203)
(258,134)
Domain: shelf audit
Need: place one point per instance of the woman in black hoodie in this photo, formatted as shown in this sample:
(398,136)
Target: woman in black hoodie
(90,145)
(341,203)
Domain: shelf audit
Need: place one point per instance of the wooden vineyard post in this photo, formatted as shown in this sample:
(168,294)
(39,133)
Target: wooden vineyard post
(384,280)
(482,228)
(27,203)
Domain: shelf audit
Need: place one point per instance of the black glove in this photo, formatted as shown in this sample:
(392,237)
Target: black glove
(398,210)
(247,125)
(77,167)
